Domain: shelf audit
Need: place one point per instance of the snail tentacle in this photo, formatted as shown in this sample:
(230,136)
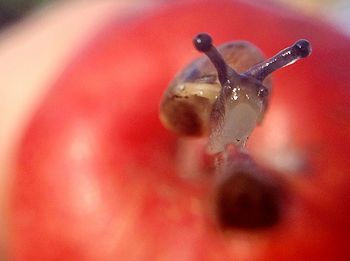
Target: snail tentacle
(290,55)
(203,43)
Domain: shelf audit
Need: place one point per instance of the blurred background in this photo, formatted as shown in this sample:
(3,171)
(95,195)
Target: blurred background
(337,11)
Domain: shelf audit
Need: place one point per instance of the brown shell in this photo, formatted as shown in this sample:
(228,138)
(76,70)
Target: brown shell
(187,103)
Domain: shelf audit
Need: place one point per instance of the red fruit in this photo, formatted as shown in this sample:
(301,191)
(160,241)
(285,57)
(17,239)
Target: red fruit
(98,177)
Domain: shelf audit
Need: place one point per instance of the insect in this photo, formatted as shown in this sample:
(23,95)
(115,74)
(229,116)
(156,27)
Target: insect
(225,96)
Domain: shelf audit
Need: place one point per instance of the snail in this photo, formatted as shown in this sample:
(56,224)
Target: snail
(224,96)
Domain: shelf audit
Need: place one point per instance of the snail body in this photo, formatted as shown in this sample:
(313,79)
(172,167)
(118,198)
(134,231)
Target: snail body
(187,103)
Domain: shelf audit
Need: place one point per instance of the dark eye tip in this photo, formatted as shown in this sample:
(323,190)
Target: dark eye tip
(202,42)
(304,47)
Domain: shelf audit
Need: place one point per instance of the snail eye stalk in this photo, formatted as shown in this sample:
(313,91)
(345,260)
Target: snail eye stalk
(203,43)
(290,55)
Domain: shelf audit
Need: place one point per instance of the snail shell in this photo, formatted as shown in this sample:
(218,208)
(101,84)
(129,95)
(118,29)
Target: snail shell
(188,102)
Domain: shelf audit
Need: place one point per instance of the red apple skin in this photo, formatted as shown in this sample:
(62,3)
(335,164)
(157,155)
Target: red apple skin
(97,176)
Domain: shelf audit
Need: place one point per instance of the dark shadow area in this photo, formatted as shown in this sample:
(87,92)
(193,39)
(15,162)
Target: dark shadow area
(12,11)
